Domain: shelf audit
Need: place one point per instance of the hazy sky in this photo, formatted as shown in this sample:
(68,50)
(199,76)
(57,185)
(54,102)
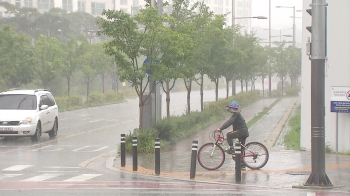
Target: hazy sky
(280,17)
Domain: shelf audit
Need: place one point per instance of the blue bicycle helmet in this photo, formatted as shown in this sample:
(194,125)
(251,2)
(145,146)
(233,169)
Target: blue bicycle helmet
(233,107)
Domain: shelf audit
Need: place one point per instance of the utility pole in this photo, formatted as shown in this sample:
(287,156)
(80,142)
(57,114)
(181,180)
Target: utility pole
(233,25)
(318,176)
(270,47)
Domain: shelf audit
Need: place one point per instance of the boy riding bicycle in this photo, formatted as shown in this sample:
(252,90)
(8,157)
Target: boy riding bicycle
(240,129)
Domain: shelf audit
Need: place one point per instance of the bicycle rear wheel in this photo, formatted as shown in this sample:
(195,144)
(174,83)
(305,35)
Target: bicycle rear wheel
(255,155)
(211,156)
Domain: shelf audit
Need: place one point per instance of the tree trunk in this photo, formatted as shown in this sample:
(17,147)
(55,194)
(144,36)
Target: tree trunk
(216,89)
(263,86)
(167,100)
(103,83)
(189,97)
(68,83)
(242,87)
(87,90)
(201,91)
(141,111)
(227,87)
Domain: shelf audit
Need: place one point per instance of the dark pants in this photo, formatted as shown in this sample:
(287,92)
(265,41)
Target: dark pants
(235,134)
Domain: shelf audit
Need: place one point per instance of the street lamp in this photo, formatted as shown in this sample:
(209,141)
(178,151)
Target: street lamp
(293,20)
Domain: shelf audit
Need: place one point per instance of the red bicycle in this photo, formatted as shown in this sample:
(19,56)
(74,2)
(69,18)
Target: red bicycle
(211,156)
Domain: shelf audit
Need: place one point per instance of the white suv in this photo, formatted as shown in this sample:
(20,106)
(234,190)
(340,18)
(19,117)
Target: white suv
(28,113)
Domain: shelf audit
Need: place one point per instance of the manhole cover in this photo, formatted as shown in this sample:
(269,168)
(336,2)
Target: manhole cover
(298,172)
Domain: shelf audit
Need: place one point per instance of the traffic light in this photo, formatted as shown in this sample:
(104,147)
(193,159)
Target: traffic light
(309,28)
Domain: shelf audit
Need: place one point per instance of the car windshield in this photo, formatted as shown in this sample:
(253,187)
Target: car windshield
(18,102)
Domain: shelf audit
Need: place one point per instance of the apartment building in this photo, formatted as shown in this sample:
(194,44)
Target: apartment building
(242,8)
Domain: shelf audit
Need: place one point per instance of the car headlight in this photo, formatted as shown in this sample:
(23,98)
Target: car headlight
(26,121)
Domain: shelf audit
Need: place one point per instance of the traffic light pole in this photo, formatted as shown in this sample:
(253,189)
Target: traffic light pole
(318,176)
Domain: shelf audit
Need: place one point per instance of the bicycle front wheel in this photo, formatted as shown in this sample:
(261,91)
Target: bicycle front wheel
(255,155)
(211,156)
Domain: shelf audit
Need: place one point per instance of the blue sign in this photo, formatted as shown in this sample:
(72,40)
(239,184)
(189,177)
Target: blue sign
(145,63)
(340,106)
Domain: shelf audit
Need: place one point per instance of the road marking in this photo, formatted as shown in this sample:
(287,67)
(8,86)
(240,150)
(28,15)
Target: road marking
(41,177)
(9,176)
(45,148)
(17,168)
(83,177)
(62,167)
(95,120)
(85,147)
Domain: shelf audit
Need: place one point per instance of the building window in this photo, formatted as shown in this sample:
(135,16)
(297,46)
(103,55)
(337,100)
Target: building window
(97,8)
(45,4)
(67,5)
(18,3)
(27,3)
(239,12)
(239,4)
(135,3)
(227,2)
(81,6)
(123,2)
(220,10)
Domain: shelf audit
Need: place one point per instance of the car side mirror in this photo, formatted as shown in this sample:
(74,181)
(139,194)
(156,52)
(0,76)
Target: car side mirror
(44,107)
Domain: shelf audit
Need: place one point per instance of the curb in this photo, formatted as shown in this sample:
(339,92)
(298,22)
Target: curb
(277,130)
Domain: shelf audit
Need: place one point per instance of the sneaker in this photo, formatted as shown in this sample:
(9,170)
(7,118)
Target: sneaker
(230,151)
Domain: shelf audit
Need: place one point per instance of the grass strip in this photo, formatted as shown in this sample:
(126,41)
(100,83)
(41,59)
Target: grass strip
(261,114)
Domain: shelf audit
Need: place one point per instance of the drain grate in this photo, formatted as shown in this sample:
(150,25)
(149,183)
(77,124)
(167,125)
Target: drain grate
(298,172)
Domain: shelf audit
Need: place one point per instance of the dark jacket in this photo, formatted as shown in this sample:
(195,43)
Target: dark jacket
(238,123)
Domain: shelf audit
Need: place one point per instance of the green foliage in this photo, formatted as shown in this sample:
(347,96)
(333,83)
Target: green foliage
(292,91)
(96,97)
(292,139)
(276,93)
(256,118)
(175,128)
(145,140)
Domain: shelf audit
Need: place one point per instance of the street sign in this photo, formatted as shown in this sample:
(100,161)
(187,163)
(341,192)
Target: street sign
(340,99)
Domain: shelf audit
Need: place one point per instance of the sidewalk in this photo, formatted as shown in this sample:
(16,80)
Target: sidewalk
(284,169)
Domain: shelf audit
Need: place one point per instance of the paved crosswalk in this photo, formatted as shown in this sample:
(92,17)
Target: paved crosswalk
(51,173)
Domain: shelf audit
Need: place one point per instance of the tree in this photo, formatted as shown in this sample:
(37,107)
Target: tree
(91,63)
(73,54)
(279,59)
(16,57)
(105,64)
(294,63)
(49,58)
(174,44)
(53,23)
(22,19)
(217,58)
(202,44)
(131,38)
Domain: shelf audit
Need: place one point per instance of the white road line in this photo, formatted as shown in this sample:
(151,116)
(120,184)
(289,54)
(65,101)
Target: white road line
(17,168)
(62,167)
(5,176)
(100,149)
(49,146)
(75,150)
(84,115)
(83,177)
(96,120)
(41,177)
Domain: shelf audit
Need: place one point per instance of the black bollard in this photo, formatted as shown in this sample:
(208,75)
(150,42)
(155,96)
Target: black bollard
(193,159)
(157,156)
(238,162)
(134,153)
(122,150)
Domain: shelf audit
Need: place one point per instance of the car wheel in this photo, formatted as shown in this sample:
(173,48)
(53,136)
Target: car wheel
(37,134)
(53,132)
